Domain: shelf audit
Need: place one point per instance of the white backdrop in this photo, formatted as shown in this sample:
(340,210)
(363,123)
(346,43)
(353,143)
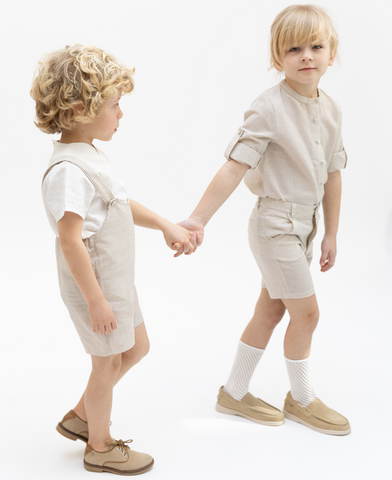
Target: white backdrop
(198,67)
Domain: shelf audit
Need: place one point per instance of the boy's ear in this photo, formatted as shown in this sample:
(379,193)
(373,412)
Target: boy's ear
(278,67)
(331,59)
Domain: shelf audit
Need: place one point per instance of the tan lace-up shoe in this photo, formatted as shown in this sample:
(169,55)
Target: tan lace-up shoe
(249,407)
(119,459)
(73,427)
(316,416)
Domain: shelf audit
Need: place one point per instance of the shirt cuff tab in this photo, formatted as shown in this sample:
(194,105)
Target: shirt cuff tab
(338,161)
(242,153)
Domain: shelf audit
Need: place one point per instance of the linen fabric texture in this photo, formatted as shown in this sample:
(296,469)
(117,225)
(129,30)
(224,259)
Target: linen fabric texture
(66,187)
(112,255)
(281,239)
(290,142)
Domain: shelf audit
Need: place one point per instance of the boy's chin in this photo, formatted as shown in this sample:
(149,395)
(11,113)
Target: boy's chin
(105,138)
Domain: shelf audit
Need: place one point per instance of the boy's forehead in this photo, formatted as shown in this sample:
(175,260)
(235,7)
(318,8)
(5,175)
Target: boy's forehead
(313,41)
(311,37)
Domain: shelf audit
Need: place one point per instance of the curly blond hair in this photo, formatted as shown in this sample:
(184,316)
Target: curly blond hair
(71,85)
(299,24)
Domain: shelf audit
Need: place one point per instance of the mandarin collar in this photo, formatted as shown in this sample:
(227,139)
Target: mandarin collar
(299,97)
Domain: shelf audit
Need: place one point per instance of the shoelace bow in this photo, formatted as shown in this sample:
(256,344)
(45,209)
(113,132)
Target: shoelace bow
(120,444)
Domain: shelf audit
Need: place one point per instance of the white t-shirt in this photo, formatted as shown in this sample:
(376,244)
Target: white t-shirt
(67,189)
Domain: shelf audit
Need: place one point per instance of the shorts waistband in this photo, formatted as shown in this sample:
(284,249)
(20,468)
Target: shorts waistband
(287,207)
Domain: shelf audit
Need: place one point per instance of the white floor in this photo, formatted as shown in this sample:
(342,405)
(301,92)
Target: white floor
(166,404)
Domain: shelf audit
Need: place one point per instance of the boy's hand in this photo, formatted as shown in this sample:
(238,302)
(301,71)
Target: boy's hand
(328,252)
(179,239)
(102,317)
(196,227)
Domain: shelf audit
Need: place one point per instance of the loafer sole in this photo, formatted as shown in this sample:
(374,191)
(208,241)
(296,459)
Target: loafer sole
(292,417)
(229,411)
(68,434)
(99,469)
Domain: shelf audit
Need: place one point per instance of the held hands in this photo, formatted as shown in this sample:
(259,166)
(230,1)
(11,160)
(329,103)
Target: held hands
(102,317)
(179,239)
(198,233)
(328,252)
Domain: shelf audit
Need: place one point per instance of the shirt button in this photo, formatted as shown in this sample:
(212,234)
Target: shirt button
(315,119)
(317,100)
(317,141)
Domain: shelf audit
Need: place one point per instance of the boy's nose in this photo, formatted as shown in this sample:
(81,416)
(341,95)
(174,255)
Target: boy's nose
(306,56)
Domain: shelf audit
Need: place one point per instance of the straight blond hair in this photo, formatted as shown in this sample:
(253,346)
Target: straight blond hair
(299,24)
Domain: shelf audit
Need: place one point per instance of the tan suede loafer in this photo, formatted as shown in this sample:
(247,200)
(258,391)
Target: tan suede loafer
(249,407)
(73,427)
(316,416)
(120,459)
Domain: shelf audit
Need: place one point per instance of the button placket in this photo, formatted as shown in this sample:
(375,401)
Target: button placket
(316,128)
(316,123)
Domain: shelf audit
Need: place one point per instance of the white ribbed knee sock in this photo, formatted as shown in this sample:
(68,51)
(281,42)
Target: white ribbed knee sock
(301,386)
(244,365)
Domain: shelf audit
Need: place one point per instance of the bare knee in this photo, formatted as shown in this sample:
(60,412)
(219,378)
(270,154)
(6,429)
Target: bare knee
(276,314)
(268,311)
(108,366)
(137,352)
(270,315)
(304,312)
(143,349)
(311,318)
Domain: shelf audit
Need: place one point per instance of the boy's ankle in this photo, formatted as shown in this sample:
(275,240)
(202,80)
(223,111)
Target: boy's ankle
(100,446)
(81,414)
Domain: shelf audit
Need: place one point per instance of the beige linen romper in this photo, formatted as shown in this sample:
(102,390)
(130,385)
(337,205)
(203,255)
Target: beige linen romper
(112,255)
(291,143)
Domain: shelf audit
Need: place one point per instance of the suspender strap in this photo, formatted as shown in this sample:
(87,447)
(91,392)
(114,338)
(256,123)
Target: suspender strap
(90,173)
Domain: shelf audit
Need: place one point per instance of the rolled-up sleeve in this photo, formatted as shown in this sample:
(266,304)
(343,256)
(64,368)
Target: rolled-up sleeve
(339,157)
(250,142)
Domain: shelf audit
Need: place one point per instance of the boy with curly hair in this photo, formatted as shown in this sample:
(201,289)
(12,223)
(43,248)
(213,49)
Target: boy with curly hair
(77,92)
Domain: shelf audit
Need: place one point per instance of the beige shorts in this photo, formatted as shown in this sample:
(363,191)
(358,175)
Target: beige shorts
(281,239)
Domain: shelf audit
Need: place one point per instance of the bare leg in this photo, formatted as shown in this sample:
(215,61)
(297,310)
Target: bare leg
(128,359)
(133,356)
(304,315)
(268,313)
(98,399)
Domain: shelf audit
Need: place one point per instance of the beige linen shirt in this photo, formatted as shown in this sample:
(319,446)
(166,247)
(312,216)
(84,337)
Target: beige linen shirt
(291,142)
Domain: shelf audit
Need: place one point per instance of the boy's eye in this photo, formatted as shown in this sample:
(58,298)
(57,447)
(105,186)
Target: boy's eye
(294,49)
(317,46)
